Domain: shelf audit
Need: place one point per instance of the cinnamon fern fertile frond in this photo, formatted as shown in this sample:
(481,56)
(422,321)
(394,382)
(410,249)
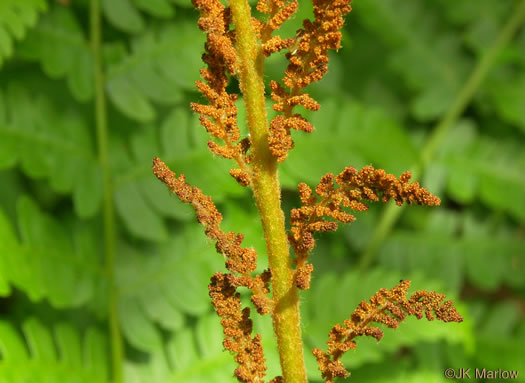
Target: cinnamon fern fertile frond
(240,51)
(387,307)
(352,187)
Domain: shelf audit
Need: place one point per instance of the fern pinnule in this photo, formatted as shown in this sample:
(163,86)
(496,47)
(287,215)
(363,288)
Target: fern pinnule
(353,187)
(388,307)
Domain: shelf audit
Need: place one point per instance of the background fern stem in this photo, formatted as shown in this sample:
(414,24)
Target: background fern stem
(267,193)
(392,213)
(108,211)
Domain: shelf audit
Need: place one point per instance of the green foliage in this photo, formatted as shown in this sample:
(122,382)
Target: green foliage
(16,17)
(50,144)
(484,168)
(125,15)
(157,69)
(503,320)
(49,260)
(58,355)
(194,355)
(148,282)
(471,253)
(59,44)
(401,67)
(413,30)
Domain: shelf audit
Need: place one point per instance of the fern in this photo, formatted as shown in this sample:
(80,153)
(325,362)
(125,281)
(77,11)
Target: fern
(476,29)
(149,73)
(194,355)
(59,44)
(50,145)
(433,80)
(505,89)
(151,287)
(125,14)
(16,17)
(48,261)
(478,166)
(471,253)
(59,355)
(504,319)
(158,8)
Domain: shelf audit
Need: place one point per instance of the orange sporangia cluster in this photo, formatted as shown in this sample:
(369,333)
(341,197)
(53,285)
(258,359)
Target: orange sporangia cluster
(388,307)
(353,187)
(237,329)
(240,176)
(308,63)
(239,260)
(278,12)
(220,116)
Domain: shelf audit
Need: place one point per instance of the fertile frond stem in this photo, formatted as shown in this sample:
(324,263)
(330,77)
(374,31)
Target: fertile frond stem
(267,193)
(117,353)
(462,100)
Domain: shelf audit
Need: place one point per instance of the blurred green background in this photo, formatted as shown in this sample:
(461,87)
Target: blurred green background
(386,101)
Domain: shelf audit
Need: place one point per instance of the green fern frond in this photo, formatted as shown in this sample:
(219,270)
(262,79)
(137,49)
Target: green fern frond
(58,42)
(48,261)
(125,15)
(52,145)
(506,90)
(16,17)
(160,288)
(458,248)
(422,52)
(43,355)
(473,166)
(191,355)
(159,67)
